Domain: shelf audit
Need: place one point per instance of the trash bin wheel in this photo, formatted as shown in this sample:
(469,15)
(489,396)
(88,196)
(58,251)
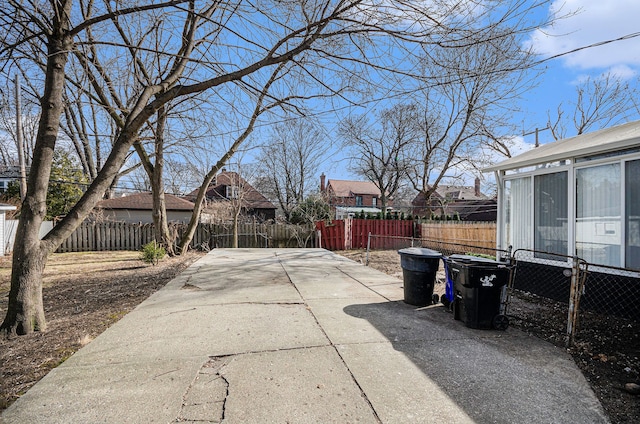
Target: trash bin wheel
(445,302)
(455,308)
(500,322)
(435,298)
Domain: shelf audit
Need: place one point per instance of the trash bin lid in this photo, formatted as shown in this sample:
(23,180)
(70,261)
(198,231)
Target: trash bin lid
(421,252)
(471,258)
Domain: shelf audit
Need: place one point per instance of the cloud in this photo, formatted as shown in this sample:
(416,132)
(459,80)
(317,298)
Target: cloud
(592,21)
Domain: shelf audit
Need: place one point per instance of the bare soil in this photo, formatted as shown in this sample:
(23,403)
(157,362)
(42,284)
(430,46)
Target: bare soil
(607,348)
(84,294)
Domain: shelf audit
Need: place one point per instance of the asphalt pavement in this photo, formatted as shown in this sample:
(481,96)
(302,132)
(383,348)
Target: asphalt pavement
(304,336)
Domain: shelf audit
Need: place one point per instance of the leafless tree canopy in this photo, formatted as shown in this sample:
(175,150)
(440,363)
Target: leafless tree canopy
(129,59)
(289,162)
(599,103)
(380,146)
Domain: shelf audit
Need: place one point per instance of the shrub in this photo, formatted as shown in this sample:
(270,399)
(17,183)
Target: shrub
(152,253)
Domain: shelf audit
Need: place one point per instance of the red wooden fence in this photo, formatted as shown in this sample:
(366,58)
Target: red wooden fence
(354,233)
(332,235)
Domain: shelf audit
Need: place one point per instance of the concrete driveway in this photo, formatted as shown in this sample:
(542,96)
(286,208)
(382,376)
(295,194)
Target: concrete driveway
(303,336)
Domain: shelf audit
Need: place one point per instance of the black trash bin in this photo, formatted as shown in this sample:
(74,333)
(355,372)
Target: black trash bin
(419,268)
(478,286)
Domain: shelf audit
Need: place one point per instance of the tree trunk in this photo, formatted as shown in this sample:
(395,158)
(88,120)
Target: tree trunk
(236,216)
(25,312)
(157,188)
(185,241)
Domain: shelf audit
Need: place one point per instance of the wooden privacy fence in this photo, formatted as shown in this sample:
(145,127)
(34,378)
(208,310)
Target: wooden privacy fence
(477,234)
(104,236)
(332,236)
(255,235)
(354,233)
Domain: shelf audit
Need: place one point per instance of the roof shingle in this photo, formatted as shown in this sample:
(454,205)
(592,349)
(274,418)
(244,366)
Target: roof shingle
(346,188)
(251,198)
(144,201)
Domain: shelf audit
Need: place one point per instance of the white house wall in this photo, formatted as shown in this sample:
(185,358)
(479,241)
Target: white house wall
(2,220)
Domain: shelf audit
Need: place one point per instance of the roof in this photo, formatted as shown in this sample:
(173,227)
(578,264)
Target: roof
(144,201)
(345,188)
(616,138)
(251,198)
(5,207)
(451,192)
(459,192)
(11,172)
(475,210)
(357,209)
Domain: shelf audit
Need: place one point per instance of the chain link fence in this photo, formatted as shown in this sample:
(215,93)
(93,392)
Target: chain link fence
(550,295)
(612,291)
(545,292)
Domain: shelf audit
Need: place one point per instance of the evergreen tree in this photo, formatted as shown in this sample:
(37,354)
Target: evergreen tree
(66,184)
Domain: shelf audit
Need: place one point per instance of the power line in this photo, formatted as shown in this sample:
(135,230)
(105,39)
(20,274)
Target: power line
(590,46)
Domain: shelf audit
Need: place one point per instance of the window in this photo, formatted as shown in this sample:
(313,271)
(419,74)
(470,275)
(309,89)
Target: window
(518,213)
(3,186)
(358,200)
(605,213)
(232,192)
(551,213)
(598,210)
(374,202)
(632,198)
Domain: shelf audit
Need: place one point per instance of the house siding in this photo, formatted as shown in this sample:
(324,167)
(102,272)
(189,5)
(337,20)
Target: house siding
(2,243)
(367,201)
(143,216)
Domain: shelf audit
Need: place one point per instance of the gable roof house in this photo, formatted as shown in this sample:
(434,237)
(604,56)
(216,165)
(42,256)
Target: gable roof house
(138,208)
(228,186)
(348,197)
(467,201)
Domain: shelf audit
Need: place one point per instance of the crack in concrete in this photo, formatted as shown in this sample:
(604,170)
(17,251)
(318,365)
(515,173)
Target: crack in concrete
(205,399)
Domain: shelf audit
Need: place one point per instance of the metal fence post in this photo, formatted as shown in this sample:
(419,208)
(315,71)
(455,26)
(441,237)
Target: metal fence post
(574,301)
(368,248)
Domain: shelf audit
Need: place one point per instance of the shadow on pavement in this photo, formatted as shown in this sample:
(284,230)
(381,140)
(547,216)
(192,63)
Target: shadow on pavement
(493,376)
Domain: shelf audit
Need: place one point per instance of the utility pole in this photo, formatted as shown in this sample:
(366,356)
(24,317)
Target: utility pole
(20,142)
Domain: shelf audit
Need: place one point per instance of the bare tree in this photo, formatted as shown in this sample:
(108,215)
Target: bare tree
(289,161)
(214,46)
(238,191)
(259,109)
(600,103)
(463,113)
(379,148)
(8,121)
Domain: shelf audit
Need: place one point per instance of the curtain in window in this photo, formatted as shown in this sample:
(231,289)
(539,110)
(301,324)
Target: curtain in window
(551,213)
(632,199)
(598,209)
(518,213)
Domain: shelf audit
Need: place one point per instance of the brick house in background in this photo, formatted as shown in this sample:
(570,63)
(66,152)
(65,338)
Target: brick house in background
(350,197)
(466,201)
(228,186)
